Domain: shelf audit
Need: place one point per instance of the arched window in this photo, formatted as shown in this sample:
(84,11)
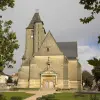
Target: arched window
(32,33)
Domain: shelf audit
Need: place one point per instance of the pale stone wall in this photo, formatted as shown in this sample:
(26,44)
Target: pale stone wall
(34,71)
(23,76)
(38,36)
(23,83)
(49,42)
(35,83)
(65,84)
(74,74)
(79,76)
(74,84)
(72,70)
(62,84)
(56,64)
(29,43)
(59,83)
(23,72)
(68,74)
(65,73)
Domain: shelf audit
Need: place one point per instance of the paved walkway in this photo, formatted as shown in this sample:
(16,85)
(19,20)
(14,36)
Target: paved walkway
(39,94)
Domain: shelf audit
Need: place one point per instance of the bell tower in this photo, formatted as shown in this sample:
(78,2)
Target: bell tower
(35,34)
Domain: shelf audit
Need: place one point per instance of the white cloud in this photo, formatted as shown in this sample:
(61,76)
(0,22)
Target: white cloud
(85,53)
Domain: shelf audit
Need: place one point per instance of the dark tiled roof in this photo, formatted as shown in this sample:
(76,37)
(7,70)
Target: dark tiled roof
(69,49)
(36,18)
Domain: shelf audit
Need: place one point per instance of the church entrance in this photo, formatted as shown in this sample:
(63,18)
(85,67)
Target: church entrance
(48,80)
(48,84)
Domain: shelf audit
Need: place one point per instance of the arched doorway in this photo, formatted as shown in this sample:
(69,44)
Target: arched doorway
(48,79)
(48,84)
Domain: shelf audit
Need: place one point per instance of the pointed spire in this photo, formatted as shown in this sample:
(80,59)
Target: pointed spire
(36,18)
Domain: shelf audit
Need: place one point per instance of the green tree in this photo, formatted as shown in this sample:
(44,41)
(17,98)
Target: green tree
(8,43)
(9,80)
(91,5)
(96,68)
(87,78)
(6,3)
(94,7)
(15,82)
(8,40)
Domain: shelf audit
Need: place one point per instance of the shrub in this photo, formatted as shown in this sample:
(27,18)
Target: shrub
(16,98)
(47,97)
(39,98)
(94,98)
(9,80)
(14,89)
(2,97)
(58,89)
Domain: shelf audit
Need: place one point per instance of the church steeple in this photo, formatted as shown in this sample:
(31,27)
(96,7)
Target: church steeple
(36,18)
(35,34)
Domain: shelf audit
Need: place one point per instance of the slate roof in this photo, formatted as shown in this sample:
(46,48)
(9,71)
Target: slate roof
(36,18)
(69,49)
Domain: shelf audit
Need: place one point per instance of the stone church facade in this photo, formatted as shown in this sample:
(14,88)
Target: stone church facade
(47,63)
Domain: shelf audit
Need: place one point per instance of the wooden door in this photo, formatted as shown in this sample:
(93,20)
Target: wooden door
(51,84)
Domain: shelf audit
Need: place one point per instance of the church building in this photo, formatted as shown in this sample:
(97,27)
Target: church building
(47,63)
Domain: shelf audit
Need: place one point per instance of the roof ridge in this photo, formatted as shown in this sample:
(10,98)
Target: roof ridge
(67,42)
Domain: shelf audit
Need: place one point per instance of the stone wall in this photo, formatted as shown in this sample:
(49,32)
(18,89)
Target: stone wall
(28,44)
(23,83)
(35,83)
(56,64)
(74,74)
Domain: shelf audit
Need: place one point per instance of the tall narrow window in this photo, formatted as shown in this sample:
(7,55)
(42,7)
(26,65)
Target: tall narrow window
(47,49)
(32,34)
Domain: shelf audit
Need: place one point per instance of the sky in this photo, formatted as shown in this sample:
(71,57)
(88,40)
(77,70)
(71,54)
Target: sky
(61,17)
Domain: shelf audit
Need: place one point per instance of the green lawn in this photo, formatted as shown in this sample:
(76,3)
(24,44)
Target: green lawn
(19,94)
(71,96)
(18,89)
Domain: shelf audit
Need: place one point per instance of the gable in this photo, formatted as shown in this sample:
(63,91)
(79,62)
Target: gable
(49,47)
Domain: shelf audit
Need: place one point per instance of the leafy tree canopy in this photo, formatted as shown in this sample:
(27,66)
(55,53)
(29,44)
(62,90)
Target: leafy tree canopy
(6,3)
(96,70)
(8,43)
(94,62)
(87,78)
(9,80)
(86,74)
(93,6)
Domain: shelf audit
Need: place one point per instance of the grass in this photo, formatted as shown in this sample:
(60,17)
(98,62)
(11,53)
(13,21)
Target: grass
(19,94)
(71,96)
(25,89)
(28,88)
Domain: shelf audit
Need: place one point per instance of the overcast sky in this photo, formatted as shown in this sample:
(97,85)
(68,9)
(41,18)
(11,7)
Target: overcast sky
(61,17)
